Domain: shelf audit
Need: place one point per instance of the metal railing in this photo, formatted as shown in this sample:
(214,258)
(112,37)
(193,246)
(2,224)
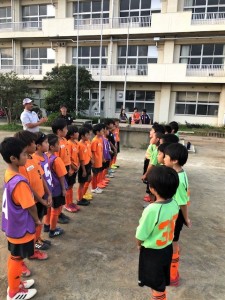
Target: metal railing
(117,70)
(22,70)
(208,18)
(21,26)
(205,70)
(122,22)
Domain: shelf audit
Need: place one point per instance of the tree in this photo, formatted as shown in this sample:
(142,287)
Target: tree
(12,90)
(61,86)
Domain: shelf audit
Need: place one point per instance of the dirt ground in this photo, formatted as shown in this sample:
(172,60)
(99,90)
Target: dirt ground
(97,259)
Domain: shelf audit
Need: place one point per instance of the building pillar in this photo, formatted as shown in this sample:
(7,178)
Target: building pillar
(172,6)
(164,105)
(16,14)
(221,112)
(168,52)
(62,5)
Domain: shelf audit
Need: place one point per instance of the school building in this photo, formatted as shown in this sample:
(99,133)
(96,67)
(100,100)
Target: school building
(163,55)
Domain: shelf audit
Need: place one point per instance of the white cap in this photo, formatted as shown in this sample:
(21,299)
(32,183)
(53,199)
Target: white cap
(26,101)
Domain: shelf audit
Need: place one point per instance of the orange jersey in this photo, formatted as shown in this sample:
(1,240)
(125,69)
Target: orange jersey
(74,151)
(64,151)
(58,166)
(117,134)
(33,172)
(22,196)
(83,152)
(97,151)
(89,148)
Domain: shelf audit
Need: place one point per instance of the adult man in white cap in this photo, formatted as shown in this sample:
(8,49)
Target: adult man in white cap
(29,118)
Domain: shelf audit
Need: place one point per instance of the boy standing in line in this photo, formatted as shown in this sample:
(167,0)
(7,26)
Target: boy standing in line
(19,217)
(156,230)
(176,156)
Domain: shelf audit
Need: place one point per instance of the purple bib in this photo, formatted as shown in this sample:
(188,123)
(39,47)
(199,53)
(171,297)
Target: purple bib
(47,173)
(16,221)
(106,149)
(57,189)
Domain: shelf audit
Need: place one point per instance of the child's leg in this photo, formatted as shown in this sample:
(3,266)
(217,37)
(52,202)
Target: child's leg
(174,268)
(14,273)
(94,181)
(69,196)
(80,191)
(55,212)
(158,295)
(47,217)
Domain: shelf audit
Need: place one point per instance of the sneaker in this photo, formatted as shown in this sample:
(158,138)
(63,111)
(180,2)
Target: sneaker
(39,255)
(22,294)
(111,171)
(25,271)
(111,176)
(64,216)
(75,206)
(86,197)
(97,191)
(83,202)
(46,242)
(46,228)
(70,208)
(26,284)
(39,245)
(101,186)
(176,281)
(113,167)
(53,233)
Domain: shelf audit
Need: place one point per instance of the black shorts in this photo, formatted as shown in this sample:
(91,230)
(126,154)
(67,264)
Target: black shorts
(154,267)
(105,165)
(178,226)
(41,210)
(82,179)
(22,250)
(146,163)
(71,180)
(118,147)
(96,170)
(58,201)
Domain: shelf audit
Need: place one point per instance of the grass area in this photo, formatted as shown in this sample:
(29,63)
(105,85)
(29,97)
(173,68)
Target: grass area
(11,127)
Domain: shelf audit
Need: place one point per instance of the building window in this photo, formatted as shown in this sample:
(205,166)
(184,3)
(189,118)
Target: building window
(91,9)
(197,104)
(89,56)
(93,96)
(33,58)
(139,99)
(203,54)
(5,17)
(207,8)
(139,8)
(6,59)
(34,14)
(137,55)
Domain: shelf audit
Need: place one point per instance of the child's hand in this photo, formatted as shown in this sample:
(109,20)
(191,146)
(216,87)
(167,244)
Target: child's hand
(64,193)
(44,202)
(143,177)
(37,223)
(84,174)
(188,223)
(49,201)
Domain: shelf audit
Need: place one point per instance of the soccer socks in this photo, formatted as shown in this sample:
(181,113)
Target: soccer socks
(69,196)
(94,181)
(55,212)
(14,273)
(174,273)
(47,217)
(80,192)
(86,185)
(158,295)
(38,232)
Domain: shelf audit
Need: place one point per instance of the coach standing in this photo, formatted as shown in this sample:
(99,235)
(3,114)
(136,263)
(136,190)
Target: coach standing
(64,115)
(29,118)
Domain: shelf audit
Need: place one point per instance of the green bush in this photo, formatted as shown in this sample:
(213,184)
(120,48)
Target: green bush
(11,127)
(52,117)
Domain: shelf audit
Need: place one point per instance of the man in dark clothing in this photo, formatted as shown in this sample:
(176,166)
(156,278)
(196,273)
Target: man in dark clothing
(145,119)
(64,115)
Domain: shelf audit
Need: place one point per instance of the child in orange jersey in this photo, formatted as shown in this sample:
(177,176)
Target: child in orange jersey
(84,172)
(72,137)
(34,173)
(19,217)
(97,154)
(58,171)
(59,127)
(88,195)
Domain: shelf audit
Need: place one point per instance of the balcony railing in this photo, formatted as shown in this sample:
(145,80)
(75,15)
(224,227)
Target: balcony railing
(132,22)
(21,26)
(117,70)
(205,70)
(208,18)
(22,70)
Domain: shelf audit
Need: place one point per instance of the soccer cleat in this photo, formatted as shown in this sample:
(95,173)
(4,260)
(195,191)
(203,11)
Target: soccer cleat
(26,284)
(111,176)
(46,242)
(101,186)
(64,216)
(54,233)
(39,255)
(75,206)
(97,191)
(22,294)
(39,245)
(113,166)
(86,197)
(89,194)
(25,271)
(83,202)
(70,208)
